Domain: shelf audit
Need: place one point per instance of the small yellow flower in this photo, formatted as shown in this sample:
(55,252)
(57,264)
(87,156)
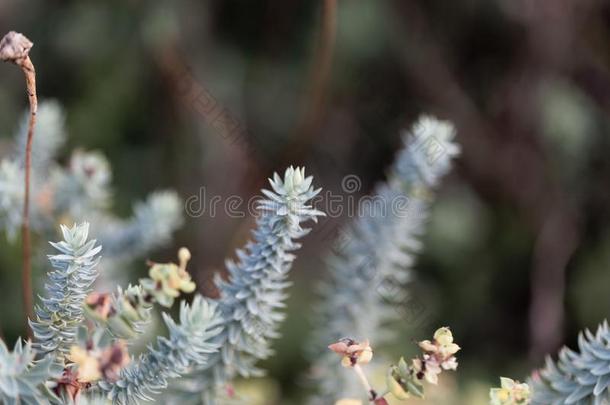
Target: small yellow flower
(88,365)
(353,352)
(95,364)
(441,349)
(443,336)
(172,278)
(405,380)
(510,393)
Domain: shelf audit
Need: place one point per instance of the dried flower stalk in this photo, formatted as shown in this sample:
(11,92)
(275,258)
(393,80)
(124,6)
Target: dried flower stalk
(15,48)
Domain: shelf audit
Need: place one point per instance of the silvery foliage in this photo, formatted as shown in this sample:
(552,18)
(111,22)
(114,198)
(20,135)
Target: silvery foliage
(252,298)
(22,378)
(11,197)
(61,311)
(93,400)
(373,257)
(579,378)
(79,191)
(59,326)
(151,225)
(129,327)
(190,343)
(50,136)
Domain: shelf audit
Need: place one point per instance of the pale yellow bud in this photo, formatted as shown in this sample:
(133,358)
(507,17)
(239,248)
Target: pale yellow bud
(184,255)
(443,336)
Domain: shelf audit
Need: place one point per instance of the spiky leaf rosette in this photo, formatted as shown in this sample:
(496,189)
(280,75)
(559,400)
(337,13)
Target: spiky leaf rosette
(61,311)
(251,299)
(372,261)
(22,378)
(190,343)
(579,378)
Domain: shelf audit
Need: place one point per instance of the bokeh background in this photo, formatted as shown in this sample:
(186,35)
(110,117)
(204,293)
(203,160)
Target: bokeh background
(518,247)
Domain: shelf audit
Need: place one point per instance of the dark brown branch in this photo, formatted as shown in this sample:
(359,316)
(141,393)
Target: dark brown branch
(15,48)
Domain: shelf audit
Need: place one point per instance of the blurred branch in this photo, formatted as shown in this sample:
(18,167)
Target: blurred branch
(499,154)
(321,68)
(195,102)
(550,33)
(557,241)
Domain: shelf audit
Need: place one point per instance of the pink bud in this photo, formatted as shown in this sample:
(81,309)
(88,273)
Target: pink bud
(339,347)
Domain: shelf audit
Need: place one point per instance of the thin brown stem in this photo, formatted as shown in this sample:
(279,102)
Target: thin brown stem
(15,48)
(30,75)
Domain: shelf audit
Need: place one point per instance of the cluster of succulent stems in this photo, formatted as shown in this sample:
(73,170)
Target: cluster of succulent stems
(123,315)
(126,312)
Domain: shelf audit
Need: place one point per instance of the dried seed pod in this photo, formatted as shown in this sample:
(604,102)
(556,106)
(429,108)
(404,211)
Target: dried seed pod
(14,46)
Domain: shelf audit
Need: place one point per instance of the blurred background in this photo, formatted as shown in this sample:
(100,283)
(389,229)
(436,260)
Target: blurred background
(216,95)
